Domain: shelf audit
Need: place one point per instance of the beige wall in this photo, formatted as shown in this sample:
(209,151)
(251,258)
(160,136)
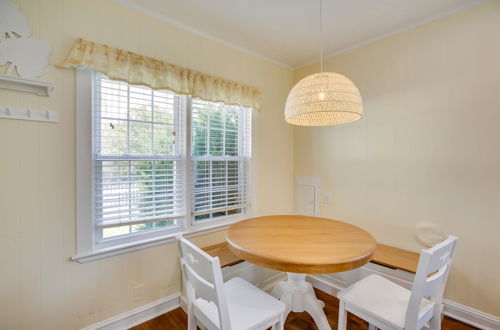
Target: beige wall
(39,287)
(428,148)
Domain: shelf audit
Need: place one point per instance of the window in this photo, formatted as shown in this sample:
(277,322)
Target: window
(160,163)
(219,152)
(138,162)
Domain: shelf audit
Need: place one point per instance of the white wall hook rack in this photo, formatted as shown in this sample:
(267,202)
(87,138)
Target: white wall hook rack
(41,88)
(28,114)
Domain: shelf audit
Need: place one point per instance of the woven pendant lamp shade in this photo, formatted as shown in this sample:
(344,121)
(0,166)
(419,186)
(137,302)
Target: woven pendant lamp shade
(323,99)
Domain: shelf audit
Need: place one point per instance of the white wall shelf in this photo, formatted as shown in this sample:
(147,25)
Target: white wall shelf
(41,88)
(28,114)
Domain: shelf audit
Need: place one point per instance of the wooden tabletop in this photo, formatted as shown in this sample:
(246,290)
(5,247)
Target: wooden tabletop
(301,244)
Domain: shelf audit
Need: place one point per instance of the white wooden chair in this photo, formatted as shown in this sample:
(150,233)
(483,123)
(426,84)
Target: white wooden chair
(386,305)
(233,305)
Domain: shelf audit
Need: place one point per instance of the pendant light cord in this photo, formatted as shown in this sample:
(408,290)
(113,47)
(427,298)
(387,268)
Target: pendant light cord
(321,34)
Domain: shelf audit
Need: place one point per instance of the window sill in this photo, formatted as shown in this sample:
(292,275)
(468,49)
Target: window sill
(140,245)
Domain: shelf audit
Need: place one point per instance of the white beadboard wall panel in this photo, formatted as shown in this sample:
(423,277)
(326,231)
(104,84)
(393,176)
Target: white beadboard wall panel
(427,147)
(29,175)
(51,232)
(10,235)
(10,311)
(40,287)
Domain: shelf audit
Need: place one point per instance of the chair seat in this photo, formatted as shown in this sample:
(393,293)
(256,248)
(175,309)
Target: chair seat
(381,299)
(249,307)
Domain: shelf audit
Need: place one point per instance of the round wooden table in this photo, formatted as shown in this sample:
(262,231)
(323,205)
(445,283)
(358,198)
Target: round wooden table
(301,245)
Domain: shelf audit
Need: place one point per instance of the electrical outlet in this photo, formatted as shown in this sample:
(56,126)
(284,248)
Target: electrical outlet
(139,292)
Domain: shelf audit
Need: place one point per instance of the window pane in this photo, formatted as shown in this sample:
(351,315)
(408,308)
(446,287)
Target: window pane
(134,190)
(140,138)
(163,110)
(140,103)
(113,135)
(134,120)
(138,172)
(231,143)
(215,115)
(231,118)
(163,139)
(216,142)
(115,232)
(200,141)
(220,149)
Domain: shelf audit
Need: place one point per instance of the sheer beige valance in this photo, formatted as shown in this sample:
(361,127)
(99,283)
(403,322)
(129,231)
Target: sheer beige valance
(141,70)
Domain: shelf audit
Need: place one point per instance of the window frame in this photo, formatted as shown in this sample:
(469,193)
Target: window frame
(88,248)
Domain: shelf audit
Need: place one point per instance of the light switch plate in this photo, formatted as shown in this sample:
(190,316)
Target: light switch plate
(327,198)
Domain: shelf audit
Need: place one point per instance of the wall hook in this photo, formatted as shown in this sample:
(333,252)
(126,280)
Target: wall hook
(8,112)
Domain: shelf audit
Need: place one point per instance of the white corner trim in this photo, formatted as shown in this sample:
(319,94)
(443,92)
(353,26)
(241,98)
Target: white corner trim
(164,18)
(391,33)
(138,315)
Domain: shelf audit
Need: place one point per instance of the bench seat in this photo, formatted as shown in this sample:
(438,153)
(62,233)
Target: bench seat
(396,258)
(385,255)
(226,257)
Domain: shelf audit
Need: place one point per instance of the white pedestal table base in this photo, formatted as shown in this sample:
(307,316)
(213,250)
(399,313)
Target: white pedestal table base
(298,296)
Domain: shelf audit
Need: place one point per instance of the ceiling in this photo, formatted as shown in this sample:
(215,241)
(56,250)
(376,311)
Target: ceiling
(287,31)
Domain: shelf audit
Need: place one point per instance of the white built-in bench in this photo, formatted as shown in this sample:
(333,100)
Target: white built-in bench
(384,255)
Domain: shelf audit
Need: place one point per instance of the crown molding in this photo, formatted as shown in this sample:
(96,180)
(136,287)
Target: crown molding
(164,18)
(392,33)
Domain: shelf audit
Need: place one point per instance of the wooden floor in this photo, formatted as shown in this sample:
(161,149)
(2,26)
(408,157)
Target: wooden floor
(177,319)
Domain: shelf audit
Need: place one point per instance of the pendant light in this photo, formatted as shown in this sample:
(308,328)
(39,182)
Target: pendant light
(324,98)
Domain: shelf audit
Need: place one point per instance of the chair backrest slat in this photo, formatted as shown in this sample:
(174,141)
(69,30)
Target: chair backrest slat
(434,282)
(432,273)
(440,254)
(197,259)
(202,288)
(202,277)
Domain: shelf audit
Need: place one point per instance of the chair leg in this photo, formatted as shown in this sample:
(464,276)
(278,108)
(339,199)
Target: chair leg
(280,325)
(192,324)
(437,318)
(435,323)
(342,316)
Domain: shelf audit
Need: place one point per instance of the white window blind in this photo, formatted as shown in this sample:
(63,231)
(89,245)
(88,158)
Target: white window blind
(138,159)
(220,152)
(162,163)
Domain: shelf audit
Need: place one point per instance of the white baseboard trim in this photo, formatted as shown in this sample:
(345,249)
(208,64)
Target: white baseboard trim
(138,315)
(452,309)
(272,281)
(324,282)
(471,315)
